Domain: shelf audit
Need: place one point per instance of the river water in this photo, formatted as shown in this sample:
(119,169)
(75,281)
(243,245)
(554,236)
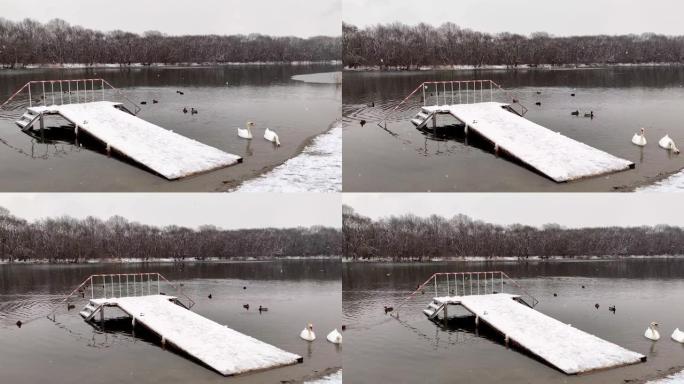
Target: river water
(69,350)
(414,349)
(280,97)
(403,159)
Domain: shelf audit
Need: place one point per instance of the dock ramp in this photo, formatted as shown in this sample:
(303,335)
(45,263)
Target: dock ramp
(559,157)
(225,350)
(569,349)
(473,103)
(161,150)
(98,108)
(562,346)
(141,297)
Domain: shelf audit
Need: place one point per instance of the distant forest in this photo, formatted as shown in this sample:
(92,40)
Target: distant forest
(66,239)
(57,42)
(411,237)
(405,47)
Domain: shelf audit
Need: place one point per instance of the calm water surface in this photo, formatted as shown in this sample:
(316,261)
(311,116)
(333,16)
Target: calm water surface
(415,349)
(71,351)
(405,159)
(226,97)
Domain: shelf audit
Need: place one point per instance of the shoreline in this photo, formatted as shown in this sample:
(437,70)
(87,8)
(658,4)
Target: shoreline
(165,65)
(499,67)
(123,260)
(508,259)
(281,171)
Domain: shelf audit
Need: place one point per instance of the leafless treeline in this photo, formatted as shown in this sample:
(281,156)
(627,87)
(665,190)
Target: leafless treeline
(412,237)
(57,42)
(66,239)
(404,46)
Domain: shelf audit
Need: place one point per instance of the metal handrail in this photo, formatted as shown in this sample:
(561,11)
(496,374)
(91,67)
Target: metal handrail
(66,86)
(455,87)
(118,280)
(497,277)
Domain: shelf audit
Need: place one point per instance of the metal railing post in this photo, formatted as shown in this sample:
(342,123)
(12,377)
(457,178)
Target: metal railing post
(452,93)
(102,86)
(44,100)
(423,86)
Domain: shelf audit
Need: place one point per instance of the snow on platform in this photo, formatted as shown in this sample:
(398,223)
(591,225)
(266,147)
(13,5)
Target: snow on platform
(554,155)
(569,349)
(227,351)
(163,151)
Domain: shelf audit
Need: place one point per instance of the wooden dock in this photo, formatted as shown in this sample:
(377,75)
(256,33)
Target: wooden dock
(164,152)
(557,156)
(569,349)
(225,350)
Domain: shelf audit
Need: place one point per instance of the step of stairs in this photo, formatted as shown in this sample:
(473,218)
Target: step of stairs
(428,313)
(88,310)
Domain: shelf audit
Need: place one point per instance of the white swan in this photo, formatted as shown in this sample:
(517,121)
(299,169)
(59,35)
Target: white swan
(652,332)
(308,333)
(334,337)
(678,336)
(639,138)
(246,133)
(667,143)
(272,136)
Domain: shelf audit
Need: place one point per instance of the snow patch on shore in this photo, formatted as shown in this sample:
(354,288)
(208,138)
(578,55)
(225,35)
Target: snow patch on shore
(674,183)
(317,169)
(333,378)
(677,378)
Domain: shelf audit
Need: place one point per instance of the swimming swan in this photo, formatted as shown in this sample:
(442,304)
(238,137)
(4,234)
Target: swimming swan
(667,143)
(336,337)
(652,333)
(308,333)
(639,138)
(678,336)
(272,136)
(246,133)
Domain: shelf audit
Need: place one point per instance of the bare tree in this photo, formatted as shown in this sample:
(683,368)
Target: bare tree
(410,237)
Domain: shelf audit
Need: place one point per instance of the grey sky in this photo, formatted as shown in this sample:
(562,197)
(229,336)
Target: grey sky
(567,209)
(575,17)
(302,18)
(236,210)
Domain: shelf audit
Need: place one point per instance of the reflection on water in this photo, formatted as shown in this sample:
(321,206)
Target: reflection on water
(226,97)
(69,350)
(622,99)
(411,348)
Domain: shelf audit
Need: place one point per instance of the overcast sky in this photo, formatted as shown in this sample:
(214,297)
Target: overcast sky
(303,18)
(574,17)
(235,210)
(567,209)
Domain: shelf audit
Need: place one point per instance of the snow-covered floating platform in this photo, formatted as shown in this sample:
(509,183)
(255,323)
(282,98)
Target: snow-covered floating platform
(569,349)
(554,155)
(223,349)
(167,153)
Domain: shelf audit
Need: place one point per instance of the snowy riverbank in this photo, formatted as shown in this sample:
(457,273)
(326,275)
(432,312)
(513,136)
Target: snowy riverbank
(333,378)
(133,260)
(507,67)
(507,258)
(676,378)
(317,169)
(673,183)
(144,65)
